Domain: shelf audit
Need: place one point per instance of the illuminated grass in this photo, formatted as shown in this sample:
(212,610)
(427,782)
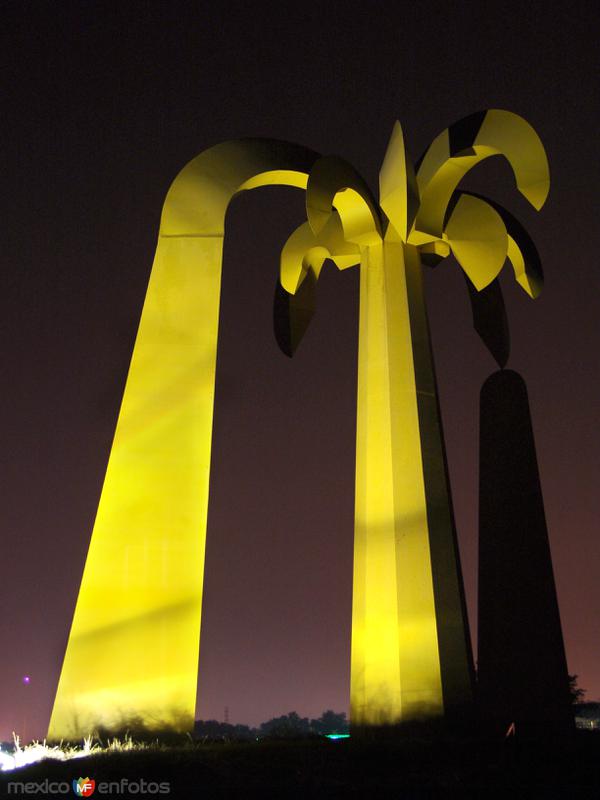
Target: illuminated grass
(22,756)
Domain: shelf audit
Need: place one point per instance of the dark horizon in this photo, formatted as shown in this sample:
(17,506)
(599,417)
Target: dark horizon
(105,104)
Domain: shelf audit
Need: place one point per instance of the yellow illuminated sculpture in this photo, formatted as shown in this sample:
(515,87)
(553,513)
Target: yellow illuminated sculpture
(134,642)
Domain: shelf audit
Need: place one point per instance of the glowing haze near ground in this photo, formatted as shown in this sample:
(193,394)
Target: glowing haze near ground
(104,107)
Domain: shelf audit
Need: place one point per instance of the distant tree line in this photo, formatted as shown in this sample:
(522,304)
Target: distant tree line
(577,694)
(288,726)
(293,726)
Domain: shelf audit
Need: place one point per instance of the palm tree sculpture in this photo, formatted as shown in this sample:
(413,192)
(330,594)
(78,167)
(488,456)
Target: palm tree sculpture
(133,646)
(411,651)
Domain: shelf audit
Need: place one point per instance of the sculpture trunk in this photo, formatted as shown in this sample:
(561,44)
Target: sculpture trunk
(519,621)
(410,644)
(132,656)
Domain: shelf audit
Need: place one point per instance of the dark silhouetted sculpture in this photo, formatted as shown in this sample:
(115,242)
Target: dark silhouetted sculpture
(522,669)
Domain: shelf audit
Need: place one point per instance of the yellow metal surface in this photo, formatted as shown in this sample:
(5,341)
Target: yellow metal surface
(132,655)
(395,672)
(479,239)
(500,133)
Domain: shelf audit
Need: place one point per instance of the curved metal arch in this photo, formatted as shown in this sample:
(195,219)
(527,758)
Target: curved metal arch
(141,591)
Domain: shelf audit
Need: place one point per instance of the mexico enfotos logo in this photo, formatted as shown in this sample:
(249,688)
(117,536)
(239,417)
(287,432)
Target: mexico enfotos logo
(86,787)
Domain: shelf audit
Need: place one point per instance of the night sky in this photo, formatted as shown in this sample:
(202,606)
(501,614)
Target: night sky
(103,104)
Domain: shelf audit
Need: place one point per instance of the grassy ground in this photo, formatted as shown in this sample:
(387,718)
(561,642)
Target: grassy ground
(399,767)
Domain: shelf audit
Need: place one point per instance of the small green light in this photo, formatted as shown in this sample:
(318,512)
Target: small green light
(337,735)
